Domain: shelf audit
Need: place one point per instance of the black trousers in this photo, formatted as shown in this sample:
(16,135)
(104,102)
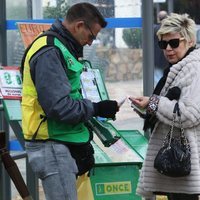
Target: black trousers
(182,196)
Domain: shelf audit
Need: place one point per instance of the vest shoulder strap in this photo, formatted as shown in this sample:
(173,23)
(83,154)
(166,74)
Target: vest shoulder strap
(50,41)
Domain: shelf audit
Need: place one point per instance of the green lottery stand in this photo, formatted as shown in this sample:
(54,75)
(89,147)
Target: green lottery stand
(119,154)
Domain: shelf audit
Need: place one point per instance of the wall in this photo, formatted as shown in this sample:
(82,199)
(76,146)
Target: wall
(123,64)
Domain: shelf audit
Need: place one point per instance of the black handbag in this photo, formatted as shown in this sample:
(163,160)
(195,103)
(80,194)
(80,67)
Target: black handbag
(174,158)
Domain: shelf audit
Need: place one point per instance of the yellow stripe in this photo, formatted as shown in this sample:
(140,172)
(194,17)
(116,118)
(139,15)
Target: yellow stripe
(29,90)
(28,86)
(40,42)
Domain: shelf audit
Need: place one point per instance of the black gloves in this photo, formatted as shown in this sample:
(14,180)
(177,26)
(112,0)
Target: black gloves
(106,108)
(173,93)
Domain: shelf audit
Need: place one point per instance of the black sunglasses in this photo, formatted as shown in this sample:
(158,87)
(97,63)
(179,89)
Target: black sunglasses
(174,43)
(92,36)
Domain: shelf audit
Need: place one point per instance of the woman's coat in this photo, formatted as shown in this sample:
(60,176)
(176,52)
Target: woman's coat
(186,75)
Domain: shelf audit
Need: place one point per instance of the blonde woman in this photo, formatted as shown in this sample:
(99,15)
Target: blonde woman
(180,82)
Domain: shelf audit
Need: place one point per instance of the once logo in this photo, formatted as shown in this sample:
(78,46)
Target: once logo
(110,188)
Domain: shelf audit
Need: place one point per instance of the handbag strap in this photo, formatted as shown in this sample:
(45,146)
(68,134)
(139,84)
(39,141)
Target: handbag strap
(180,122)
(169,136)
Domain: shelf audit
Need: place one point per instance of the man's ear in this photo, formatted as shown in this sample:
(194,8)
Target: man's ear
(78,25)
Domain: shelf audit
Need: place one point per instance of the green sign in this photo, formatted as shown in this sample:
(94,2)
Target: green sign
(115,182)
(110,188)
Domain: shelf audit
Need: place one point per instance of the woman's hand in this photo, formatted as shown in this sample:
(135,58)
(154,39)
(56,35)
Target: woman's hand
(141,102)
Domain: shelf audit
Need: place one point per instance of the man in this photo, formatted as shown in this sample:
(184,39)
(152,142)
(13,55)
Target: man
(53,110)
(160,61)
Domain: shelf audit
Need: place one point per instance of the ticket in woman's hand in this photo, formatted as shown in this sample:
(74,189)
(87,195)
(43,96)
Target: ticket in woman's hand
(120,103)
(138,109)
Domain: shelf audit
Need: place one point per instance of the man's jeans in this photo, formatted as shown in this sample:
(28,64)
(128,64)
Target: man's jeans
(54,165)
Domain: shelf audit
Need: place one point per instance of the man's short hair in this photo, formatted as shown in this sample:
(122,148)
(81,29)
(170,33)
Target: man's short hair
(86,12)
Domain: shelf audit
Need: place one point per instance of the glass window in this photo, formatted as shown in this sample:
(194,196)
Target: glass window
(18,9)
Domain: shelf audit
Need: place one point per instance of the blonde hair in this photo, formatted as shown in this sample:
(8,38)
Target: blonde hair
(178,23)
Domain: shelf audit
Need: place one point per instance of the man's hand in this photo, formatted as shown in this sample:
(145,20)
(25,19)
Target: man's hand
(106,108)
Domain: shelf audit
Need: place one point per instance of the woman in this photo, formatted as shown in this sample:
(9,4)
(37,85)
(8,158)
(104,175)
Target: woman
(181,81)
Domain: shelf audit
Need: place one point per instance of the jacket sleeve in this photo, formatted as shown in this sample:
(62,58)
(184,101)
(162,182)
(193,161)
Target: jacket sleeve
(53,89)
(188,81)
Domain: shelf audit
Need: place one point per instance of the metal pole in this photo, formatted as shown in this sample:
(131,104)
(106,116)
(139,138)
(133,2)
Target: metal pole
(157,10)
(37,12)
(170,6)
(7,180)
(3,36)
(148,51)
(5,190)
(29,9)
(148,47)
(4,178)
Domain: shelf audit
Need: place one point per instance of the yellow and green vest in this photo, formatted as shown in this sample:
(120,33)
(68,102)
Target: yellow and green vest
(35,125)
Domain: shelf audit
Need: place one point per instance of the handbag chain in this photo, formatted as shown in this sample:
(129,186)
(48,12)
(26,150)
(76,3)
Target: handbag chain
(168,138)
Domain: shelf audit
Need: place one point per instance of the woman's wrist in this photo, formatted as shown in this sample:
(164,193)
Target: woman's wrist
(153,104)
